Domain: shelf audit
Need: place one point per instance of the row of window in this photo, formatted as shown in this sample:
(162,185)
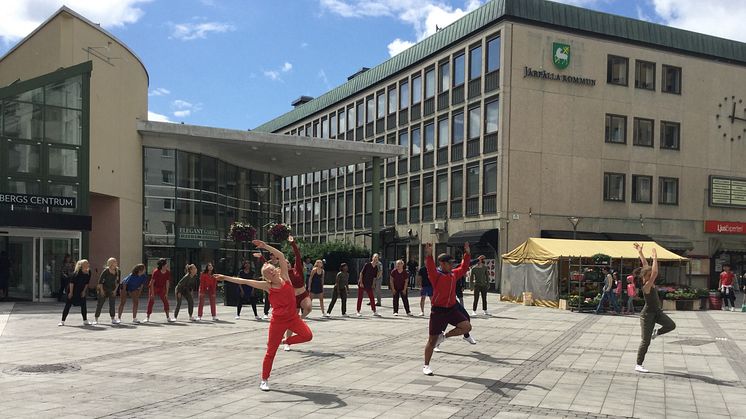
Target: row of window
(643,130)
(642,189)
(617,72)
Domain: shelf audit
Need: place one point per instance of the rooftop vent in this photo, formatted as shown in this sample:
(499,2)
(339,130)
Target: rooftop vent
(357,73)
(301,100)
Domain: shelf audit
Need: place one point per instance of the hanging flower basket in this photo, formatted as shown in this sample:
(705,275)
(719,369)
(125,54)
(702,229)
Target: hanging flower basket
(241,232)
(278,232)
(601,259)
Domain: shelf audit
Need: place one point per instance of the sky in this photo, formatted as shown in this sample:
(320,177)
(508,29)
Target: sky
(240,63)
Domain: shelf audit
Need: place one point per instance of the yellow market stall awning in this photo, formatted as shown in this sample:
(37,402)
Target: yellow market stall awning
(543,251)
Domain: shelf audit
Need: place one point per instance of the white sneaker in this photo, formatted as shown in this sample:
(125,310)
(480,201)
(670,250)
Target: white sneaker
(376,314)
(61,324)
(237,318)
(436,349)
(257,318)
(474,313)
(286,348)
(326,315)
(427,370)
(422,314)
(135,321)
(147,319)
(215,319)
(264,317)
(87,323)
(95,321)
(486,313)
(471,340)
(640,368)
(171,320)
(359,315)
(115,321)
(192,319)
(655,334)
(396,314)
(199,319)
(264,386)
(732,309)
(441,339)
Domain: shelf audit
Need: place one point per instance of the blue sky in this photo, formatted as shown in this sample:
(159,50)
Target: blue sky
(239,63)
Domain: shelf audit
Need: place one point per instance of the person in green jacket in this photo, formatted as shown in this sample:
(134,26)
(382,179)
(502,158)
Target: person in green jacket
(185,289)
(480,281)
(107,288)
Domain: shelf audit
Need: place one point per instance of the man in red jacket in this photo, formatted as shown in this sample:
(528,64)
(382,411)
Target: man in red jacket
(444,304)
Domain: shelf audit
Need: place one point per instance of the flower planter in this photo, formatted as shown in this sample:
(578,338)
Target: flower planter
(715,302)
(669,305)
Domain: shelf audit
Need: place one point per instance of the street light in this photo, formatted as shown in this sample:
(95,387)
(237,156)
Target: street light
(574,221)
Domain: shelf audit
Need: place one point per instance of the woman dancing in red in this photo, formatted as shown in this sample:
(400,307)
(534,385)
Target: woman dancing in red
(284,312)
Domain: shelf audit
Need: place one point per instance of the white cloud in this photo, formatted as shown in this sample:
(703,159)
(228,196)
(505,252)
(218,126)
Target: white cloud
(423,15)
(181,114)
(159,91)
(274,75)
(324,78)
(198,30)
(286,67)
(157,117)
(182,108)
(723,18)
(20,17)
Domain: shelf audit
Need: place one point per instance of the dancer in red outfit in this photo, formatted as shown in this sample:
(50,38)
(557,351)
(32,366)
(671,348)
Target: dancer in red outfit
(302,297)
(208,287)
(160,281)
(284,312)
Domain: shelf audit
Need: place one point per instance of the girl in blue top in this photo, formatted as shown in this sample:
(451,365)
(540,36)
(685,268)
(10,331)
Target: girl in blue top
(132,285)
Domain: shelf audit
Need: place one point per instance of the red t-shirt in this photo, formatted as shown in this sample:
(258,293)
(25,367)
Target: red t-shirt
(283,302)
(207,282)
(158,279)
(400,279)
(726,278)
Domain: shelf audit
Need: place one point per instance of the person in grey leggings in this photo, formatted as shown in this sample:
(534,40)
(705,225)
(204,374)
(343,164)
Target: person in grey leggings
(652,312)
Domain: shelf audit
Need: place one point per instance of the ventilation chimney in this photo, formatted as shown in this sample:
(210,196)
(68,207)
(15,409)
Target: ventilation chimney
(301,100)
(359,72)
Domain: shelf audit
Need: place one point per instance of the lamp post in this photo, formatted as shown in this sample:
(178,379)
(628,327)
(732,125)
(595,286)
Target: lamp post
(574,221)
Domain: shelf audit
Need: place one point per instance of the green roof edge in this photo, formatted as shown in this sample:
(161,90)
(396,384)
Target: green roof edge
(541,12)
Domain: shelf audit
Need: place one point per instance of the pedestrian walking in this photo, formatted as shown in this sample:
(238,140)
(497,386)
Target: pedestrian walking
(412,269)
(208,288)
(160,282)
(341,288)
(631,294)
(185,290)
(480,282)
(132,286)
(398,279)
(426,288)
(107,286)
(366,282)
(378,282)
(651,313)
(77,290)
(246,292)
(608,293)
(316,284)
(66,272)
(284,311)
(727,288)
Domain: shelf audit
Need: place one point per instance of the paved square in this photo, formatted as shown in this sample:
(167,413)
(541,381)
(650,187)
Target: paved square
(529,362)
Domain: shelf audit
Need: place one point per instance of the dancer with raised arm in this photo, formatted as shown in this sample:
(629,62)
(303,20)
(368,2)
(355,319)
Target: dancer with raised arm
(445,308)
(273,260)
(651,313)
(302,297)
(284,312)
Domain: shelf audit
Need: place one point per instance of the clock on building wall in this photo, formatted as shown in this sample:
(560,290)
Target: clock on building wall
(731,118)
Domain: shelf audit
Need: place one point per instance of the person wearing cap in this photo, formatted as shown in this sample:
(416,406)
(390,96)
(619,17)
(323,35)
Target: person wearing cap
(631,294)
(444,309)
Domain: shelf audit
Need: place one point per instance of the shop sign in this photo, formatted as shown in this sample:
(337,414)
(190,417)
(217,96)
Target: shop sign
(38,200)
(725,227)
(561,55)
(196,237)
(727,192)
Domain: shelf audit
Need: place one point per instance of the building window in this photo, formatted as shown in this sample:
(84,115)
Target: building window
(404,139)
(416,89)
(168,176)
(64,162)
(617,70)
(490,177)
(443,133)
(415,141)
(360,114)
(643,132)
(493,54)
(445,76)
(671,79)
(325,128)
(475,62)
(668,188)
(381,105)
(168,204)
(429,83)
(644,75)
(441,187)
(333,125)
(458,70)
(457,183)
(642,189)
(393,100)
(390,196)
(342,118)
(472,181)
(614,187)
(670,135)
(457,135)
(368,200)
(403,195)
(616,129)
(475,122)
(414,192)
(350,117)
(427,190)
(490,116)
(429,137)
(404,95)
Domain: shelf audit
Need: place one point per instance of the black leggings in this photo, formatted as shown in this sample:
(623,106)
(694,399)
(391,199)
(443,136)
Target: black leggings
(239,306)
(337,294)
(266,304)
(69,304)
(730,297)
(404,298)
(190,303)
(477,292)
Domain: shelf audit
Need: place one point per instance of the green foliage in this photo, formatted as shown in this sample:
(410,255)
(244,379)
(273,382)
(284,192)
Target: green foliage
(601,259)
(334,252)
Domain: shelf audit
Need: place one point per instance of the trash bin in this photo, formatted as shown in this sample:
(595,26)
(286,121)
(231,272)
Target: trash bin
(715,302)
(528,298)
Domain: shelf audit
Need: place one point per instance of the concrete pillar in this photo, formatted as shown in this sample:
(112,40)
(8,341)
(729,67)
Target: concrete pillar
(375,223)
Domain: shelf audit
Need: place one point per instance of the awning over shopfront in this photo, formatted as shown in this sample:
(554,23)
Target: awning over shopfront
(730,245)
(589,235)
(477,237)
(675,243)
(279,154)
(544,251)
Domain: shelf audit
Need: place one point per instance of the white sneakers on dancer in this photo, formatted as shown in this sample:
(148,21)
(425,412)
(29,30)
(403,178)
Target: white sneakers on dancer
(95,321)
(640,368)
(474,313)
(427,370)
(264,385)
(286,348)
(61,324)
(171,320)
(376,314)
(470,339)
(87,323)
(237,318)
(215,319)
(655,334)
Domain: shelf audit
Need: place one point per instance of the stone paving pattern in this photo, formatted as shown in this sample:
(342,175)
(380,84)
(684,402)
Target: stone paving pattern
(529,362)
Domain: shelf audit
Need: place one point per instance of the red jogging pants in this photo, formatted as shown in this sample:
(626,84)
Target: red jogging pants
(277,330)
(151,300)
(369,291)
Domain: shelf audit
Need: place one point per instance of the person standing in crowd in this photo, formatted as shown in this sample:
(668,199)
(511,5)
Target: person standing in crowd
(265,295)
(412,269)
(316,284)
(631,294)
(160,281)
(5,273)
(132,285)
(302,296)
(426,289)
(398,279)
(618,285)
(480,282)
(378,281)
(651,313)
(77,290)
(445,309)
(341,287)
(727,287)
(208,288)
(307,268)
(107,287)
(608,293)
(66,272)
(245,292)
(365,284)
(185,289)
(284,310)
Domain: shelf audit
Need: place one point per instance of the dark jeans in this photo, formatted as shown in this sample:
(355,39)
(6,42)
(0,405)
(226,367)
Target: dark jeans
(611,296)
(239,306)
(404,298)
(730,297)
(83,309)
(190,303)
(480,290)
(266,304)
(648,319)
(338,294)
(100,304)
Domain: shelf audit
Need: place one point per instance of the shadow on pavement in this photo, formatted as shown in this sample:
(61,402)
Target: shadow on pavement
(702,378)
(317,354)
(485,357)
(331,401)
(495,386)
(90,328)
